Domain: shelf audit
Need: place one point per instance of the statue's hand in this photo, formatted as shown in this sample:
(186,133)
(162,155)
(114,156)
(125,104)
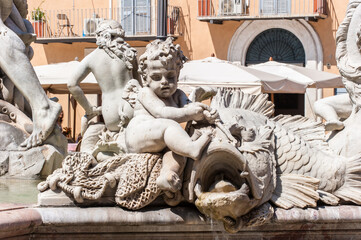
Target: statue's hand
(94,111)
(211,115)
(196,110)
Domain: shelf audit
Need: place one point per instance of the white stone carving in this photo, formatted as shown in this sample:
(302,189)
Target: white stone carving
(232,159)
(31,147)
(342,113)
(44,111)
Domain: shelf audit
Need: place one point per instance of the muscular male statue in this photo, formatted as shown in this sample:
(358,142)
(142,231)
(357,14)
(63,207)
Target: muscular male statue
(15,52)
(113,64)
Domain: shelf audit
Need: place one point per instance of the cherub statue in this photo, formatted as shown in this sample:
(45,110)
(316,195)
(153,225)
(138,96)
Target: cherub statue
(113,64)
(15,38)
(159,109)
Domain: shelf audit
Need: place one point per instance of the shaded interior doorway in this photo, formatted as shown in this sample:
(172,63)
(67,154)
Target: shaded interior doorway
(288,103)
(282,46)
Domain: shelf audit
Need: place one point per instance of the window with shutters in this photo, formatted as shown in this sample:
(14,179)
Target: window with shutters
(136,16)
(274,7)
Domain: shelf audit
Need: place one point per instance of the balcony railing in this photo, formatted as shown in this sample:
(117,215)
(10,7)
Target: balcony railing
(221,10)
(79,25)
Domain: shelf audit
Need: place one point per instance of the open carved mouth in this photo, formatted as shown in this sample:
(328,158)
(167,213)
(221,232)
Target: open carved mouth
(223,164)
(225,201)
(224,189)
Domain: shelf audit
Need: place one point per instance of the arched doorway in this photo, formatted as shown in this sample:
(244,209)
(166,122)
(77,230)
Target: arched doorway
(282,46)
(248,31)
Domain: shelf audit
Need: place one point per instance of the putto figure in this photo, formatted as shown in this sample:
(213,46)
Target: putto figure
(113,64)
(342,112)
(159,110)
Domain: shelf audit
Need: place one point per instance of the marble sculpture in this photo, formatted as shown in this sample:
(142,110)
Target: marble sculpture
(233,160)
(30,145)
(343,112)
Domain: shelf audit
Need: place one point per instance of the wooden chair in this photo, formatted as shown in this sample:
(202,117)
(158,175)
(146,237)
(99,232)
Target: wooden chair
(63,22)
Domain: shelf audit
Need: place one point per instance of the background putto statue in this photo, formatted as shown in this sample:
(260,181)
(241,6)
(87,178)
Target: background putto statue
(28,116)
(113,64)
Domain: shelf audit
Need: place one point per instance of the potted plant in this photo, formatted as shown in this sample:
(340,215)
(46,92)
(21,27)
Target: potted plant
(39,19)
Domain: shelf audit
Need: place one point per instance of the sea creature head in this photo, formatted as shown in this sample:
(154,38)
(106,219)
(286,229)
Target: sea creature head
(231,181)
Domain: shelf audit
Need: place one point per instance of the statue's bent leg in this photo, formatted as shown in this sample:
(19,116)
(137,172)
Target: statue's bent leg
(172,168)
(16,65)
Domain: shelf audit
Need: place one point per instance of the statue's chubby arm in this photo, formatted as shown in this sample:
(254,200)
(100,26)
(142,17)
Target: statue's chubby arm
(73,85)
(158,109)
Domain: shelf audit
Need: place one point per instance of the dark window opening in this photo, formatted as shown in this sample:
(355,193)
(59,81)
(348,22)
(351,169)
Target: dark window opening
(282,46)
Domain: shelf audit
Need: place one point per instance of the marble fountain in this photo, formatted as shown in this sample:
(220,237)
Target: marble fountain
(233,172)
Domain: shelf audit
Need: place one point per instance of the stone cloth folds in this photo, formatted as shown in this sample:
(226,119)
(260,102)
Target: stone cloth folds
(137,183)
(136,176)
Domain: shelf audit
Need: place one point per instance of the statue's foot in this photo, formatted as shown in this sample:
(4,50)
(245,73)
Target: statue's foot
(169,181)
(172,199)
(200,144)
(334,125)
(44,121)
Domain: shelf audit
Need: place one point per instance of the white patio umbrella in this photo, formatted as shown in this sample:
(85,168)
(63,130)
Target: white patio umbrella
(54,78)
(297,78)
(215,72)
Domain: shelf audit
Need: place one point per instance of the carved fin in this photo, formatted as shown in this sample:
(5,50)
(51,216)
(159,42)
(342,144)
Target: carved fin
(351,190)
(235,98)
(295,191)
(311,131)
(328,198)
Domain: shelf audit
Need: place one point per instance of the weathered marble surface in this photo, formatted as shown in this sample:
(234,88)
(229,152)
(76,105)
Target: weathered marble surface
(30,144)
(21,222)
(234,161)
(231,161)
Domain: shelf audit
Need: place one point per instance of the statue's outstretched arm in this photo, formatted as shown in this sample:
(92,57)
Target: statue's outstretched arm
(158,109)
(74,88)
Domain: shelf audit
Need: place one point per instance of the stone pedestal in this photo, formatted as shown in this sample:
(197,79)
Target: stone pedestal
(343,222)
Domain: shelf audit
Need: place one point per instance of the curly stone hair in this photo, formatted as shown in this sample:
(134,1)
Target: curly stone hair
(110,38)
(165,51)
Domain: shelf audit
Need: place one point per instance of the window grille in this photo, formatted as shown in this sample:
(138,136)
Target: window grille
(136,17)
(274,7)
